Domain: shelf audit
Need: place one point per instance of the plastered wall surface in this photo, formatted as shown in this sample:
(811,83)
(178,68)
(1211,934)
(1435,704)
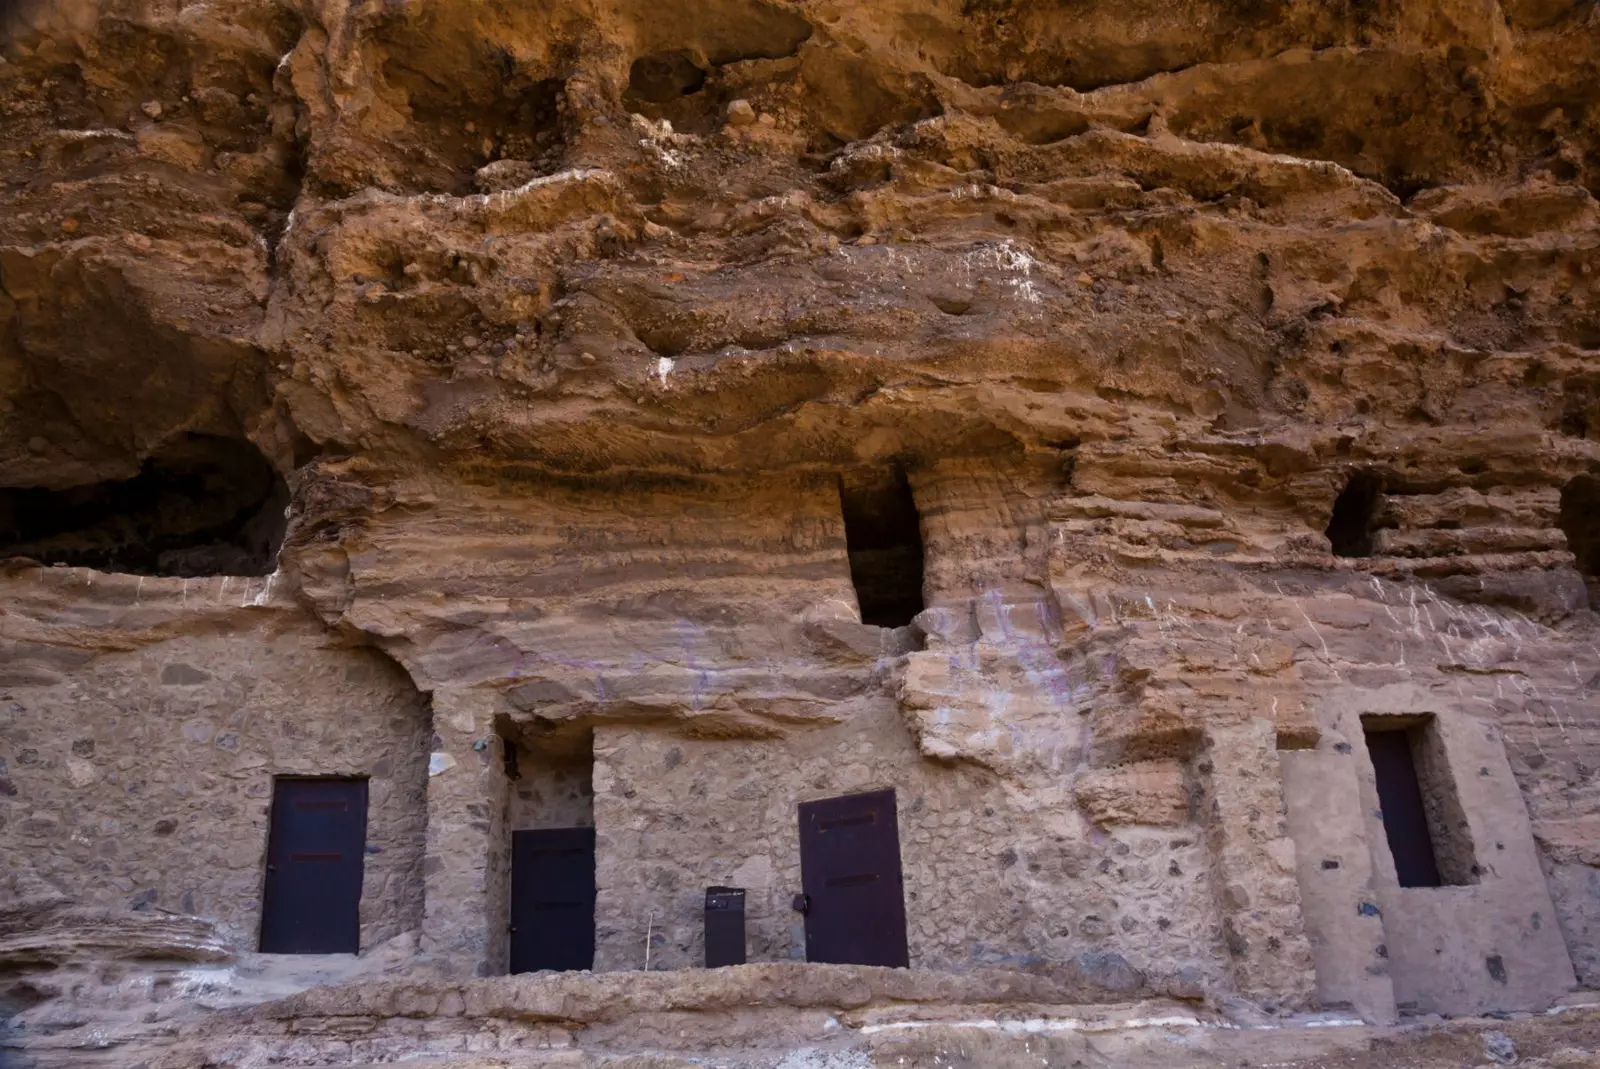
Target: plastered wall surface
(1575,892)
(1484,945)
(1335,871)
(1485,942)
(141,776)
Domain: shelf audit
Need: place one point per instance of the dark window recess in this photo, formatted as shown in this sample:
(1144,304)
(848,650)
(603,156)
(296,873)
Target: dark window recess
(1580,521)
(1422,817)
(509,759)
(1355,516)
(883,537)
(664,77)
(692,89)
(199,506)
(1580,411)
(311,901)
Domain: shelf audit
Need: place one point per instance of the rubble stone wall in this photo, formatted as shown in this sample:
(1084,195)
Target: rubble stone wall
(550,793)
(993,875)
(139,751)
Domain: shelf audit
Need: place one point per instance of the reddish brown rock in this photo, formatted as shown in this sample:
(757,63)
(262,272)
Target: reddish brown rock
(1150,792)
(644,419)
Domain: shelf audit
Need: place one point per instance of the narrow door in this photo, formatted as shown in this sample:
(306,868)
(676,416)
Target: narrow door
(312,897)
(552,899)
(850,872)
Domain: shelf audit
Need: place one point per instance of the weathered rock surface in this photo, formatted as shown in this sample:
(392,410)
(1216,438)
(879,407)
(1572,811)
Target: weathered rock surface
(786,1015)
(1242,361)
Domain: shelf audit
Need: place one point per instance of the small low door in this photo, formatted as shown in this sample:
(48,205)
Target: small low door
(312,897)
(850,871)
(552,899)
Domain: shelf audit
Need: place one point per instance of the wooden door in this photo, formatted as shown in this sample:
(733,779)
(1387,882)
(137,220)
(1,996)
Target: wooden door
(311,900)
(552,899)
(850,872)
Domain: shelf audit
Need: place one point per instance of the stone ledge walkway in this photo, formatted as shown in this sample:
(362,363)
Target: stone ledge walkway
(787,1017)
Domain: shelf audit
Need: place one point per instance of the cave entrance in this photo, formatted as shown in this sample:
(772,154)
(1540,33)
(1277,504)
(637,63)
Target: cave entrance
(883,537)
(664,77)
(199,506)
(1580,521)
(1355,516)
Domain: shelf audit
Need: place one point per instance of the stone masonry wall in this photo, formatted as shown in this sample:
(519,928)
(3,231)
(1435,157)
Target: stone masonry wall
(1093,749)
(139,774)
(992,876)
(550,792)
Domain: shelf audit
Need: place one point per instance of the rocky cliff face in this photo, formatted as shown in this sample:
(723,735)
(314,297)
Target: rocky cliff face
(434,234)
(1235,368)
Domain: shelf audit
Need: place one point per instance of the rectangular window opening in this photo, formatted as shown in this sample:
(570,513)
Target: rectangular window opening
(883,537)
(1422,816)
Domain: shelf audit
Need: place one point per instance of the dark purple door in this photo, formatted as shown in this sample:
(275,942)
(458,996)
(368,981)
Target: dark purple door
(552,899)
(312,900)
(850,872)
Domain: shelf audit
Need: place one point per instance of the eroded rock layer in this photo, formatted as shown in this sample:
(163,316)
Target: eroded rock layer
(1104,425)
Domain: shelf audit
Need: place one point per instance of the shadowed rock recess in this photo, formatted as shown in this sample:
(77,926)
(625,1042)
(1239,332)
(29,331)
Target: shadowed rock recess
(1098,502)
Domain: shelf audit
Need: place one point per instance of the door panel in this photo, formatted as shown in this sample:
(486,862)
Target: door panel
(311,901)
(850,871)
(552,899)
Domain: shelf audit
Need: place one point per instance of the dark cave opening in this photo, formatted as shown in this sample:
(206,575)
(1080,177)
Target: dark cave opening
(883,537)
(199,506)
(1580,522)
(1355,515)
(664,77)
(503,112)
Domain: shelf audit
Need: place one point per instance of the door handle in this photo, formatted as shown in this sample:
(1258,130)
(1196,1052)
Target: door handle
(272,868)
(801,904)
